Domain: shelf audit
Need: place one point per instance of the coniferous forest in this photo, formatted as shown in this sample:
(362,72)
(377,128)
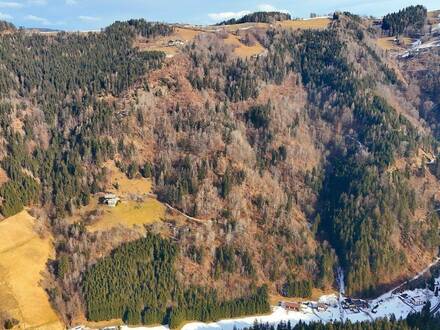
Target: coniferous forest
(137,282)
(408,20)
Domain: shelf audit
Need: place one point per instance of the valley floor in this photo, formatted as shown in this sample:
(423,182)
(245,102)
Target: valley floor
(389,306)
(398,304)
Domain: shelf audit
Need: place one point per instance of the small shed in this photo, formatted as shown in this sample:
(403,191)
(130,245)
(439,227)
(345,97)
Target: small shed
(291,306)
(110,200)
(321,307)
(176,42)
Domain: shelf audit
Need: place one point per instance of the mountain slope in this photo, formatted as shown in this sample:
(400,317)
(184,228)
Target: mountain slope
(283,166)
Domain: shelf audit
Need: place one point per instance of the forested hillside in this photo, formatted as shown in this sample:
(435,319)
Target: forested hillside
(61,122)
(276,169)
(409,20)
(345,196)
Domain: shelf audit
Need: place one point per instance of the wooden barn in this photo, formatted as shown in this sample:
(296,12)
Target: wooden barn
(291,306)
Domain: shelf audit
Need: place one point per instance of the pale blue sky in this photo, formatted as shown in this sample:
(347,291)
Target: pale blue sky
(95,14)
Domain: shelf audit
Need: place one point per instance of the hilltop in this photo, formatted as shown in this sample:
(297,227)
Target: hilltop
(259,17)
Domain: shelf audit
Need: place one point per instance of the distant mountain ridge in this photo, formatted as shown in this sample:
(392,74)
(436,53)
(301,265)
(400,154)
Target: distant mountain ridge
(8,26)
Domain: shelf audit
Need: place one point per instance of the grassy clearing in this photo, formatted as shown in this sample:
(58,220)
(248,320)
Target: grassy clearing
(122,186)
(23,257)
(129,213)
(185,34)
(243,50)
(161,44)
(242,26)
(314,23)
(137,207)
(387,43)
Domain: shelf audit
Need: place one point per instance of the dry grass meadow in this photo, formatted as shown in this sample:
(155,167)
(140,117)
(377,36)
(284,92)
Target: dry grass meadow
(161,44)
(241,49)
(129,214)
(387,43)
(23,257)
(119,184)
(313,23)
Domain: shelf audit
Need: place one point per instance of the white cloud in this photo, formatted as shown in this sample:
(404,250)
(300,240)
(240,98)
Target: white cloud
(71,2)
(37,2)
(10,4)
(228,15)
(4,16)
(37,19)
(89,18)
(268,7)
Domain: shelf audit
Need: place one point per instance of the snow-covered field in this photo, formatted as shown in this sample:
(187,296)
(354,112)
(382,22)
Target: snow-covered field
(418,46)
